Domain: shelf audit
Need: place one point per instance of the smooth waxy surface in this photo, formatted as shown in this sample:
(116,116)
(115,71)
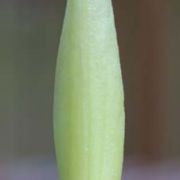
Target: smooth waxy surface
(89,100)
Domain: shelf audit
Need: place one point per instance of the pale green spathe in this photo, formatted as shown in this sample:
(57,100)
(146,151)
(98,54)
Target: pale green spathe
(89,99)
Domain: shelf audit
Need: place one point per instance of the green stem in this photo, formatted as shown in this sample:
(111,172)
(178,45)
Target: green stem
(89,100)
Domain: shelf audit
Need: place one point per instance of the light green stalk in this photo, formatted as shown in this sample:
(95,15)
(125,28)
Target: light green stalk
(89,100)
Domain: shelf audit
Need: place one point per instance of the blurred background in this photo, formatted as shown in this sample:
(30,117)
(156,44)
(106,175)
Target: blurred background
(149,39)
